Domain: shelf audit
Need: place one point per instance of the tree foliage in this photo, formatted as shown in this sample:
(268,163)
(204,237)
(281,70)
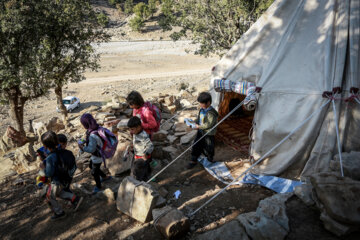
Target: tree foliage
(215,24)
(44,44)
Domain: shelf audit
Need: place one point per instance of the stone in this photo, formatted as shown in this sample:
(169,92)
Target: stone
(107,195)
(23,158)
(185,103)
(170,152)
(188,137)
(231,230)
(166,126)
(178,134)
(128,112)
(181,127)
(55,124)
(159,136)
(12,139)
(158,153)
(274,208)
(110,118)
(168,109)
(123,123)
(304,192)
(335,227)
(116,164)
(351,164)
(166,115)
(169,100)
(184,94)
(260,227)
(161,202)
(170,222)
(136,199)
(339,196)
(171,138)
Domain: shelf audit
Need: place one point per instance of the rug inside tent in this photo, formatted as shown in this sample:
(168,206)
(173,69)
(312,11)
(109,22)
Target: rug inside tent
(234,131)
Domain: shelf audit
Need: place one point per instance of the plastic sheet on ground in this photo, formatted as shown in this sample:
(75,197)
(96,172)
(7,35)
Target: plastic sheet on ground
(220,171)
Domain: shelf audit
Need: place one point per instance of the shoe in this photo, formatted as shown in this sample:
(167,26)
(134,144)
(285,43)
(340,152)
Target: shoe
(106,179)
(96,190)
(191,164)
(58,216)
(76,203)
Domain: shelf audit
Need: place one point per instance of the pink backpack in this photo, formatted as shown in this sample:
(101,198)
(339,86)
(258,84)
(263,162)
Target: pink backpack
(155,111)
(110,143)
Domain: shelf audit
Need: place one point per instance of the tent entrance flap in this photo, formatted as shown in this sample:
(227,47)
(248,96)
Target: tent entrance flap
(234,131)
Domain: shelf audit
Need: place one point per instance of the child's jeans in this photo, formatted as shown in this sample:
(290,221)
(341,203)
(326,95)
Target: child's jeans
(56,190)
(97,173)
(206,146)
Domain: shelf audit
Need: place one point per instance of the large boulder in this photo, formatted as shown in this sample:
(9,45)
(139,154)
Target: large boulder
(261,227)
(170,222)
(54,124)
(116,164)
(351,164)
(339,196)
(274,208)
(231,230)
(136,199)
(12,139)
(188,137)
(24,158)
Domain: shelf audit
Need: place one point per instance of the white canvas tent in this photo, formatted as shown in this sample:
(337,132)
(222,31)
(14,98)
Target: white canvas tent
(295,52)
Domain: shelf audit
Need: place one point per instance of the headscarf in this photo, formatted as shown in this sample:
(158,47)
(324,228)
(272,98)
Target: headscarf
(90,124)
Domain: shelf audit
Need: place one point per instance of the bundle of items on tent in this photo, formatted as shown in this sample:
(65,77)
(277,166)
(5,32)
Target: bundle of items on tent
(240,87)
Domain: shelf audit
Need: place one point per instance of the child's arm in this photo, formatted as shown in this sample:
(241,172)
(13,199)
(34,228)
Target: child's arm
(91,147)
(149,147)
(212,120)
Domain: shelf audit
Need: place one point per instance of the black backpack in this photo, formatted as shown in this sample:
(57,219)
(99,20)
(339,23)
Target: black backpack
(65,166)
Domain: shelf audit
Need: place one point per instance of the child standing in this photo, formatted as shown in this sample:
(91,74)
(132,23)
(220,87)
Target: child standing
(143,148)
(62,141)
(142,110)
(55,164)
(206,120)
(93,144)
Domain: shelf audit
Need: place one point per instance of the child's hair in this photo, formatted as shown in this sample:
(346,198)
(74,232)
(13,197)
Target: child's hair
(134,122)
(204,97)
(135,98)
(50,140)
(62,138)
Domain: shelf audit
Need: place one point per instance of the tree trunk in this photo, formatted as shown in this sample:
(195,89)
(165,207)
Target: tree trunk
(16,112)
(58,92)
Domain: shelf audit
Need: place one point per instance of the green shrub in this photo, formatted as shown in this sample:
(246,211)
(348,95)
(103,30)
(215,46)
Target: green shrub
(128,6)
(103,19)
(137,23)
(142,10)
(153,6)
(113,2)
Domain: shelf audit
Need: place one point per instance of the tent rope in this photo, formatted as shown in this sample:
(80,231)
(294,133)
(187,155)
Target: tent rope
(262,158)
(337,136)
(170,163)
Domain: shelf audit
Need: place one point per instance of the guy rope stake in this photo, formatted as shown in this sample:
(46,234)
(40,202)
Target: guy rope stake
(337,137)
(227,115)
(262,158)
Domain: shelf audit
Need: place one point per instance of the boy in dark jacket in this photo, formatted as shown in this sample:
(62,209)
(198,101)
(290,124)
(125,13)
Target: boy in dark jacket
(58,180)
(206,120)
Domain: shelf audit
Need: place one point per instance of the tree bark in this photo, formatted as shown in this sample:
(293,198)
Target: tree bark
(16,112)
(58,93)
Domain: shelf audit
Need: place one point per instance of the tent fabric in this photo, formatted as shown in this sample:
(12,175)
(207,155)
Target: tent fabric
(295,52)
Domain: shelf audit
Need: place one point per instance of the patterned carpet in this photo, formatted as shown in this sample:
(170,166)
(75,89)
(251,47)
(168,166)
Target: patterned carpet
(235,133)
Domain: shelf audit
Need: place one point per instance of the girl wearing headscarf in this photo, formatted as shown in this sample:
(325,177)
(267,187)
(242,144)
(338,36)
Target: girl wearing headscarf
(93,144)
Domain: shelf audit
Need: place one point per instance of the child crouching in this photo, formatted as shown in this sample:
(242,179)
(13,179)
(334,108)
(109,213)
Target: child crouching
(143,148)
